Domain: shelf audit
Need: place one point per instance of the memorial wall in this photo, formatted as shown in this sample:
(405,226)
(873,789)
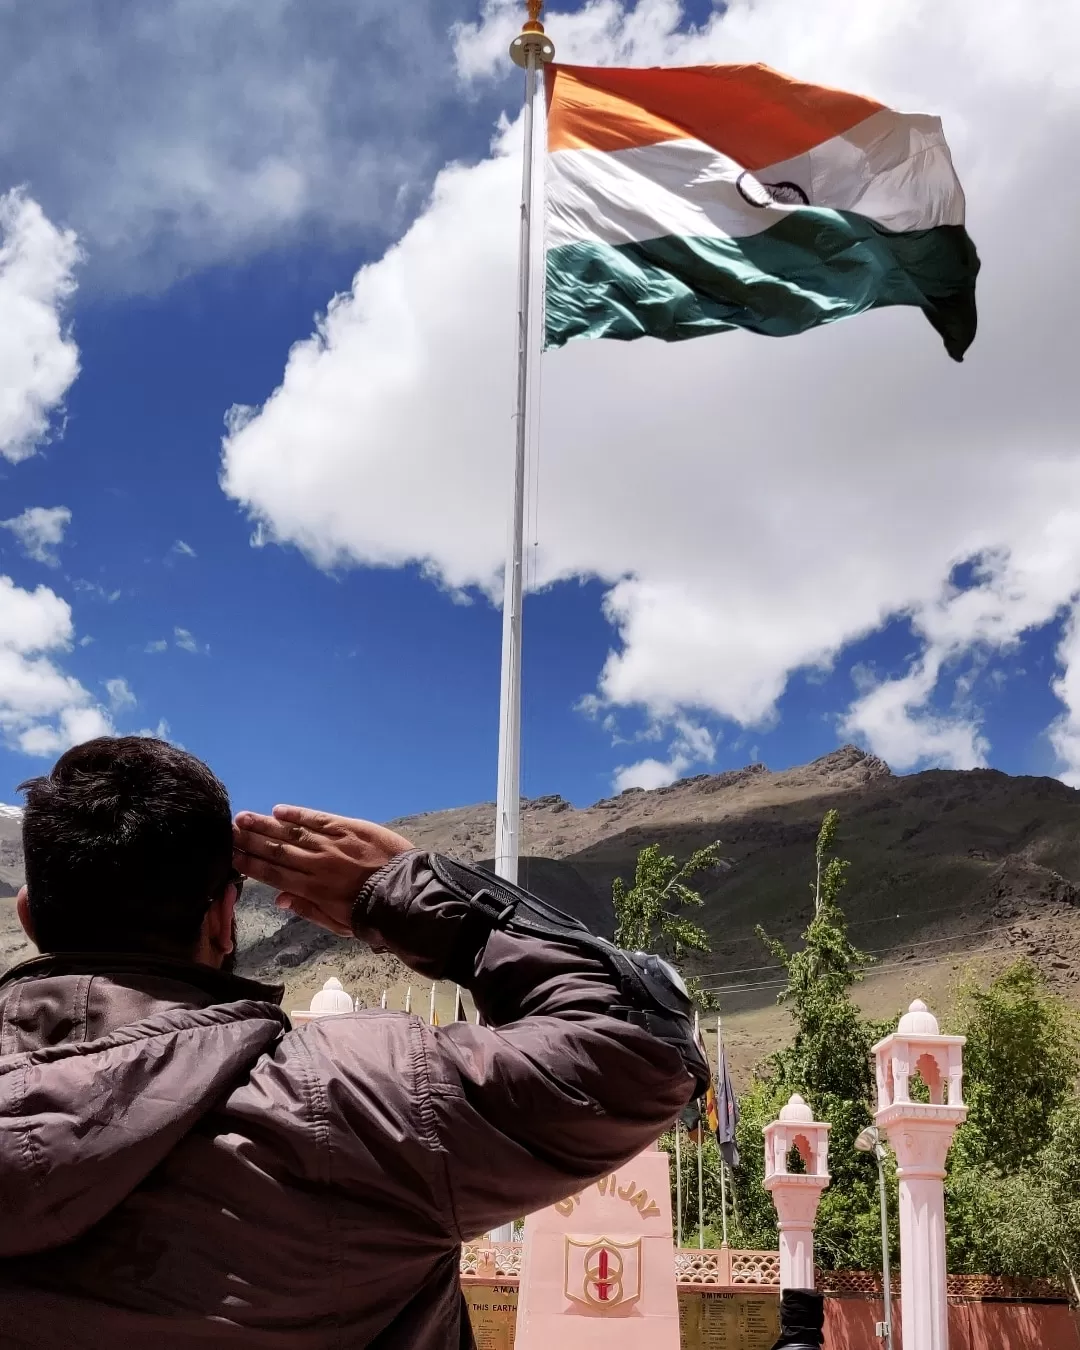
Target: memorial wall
(709,1320)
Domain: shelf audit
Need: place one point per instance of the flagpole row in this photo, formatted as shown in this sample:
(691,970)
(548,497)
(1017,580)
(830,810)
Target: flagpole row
(720,1070)
(700,1153)
(678,1183)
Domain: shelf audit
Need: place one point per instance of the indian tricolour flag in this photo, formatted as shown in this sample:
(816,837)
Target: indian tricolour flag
(685,201)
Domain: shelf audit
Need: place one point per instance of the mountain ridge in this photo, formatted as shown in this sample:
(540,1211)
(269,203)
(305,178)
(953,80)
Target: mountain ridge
(945,864)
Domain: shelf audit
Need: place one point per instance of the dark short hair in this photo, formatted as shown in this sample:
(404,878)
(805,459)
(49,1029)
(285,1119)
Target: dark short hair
(127,841)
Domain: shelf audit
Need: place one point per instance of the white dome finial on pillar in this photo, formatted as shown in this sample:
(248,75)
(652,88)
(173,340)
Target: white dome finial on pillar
(331,1001)
(796,1194)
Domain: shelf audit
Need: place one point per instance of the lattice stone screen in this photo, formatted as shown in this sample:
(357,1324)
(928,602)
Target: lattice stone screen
(712,1267)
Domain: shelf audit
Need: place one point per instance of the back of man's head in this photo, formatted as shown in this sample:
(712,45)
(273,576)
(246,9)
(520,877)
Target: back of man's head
(127,842)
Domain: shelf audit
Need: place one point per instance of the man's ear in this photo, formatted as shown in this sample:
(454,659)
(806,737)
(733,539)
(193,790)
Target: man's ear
(22,908)
(219,922)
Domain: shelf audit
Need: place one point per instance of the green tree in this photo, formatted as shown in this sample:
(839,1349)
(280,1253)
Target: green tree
(648,913)
(830,1055)
(1013,1190)
(1020,1065)
(828,1063)
(647,916)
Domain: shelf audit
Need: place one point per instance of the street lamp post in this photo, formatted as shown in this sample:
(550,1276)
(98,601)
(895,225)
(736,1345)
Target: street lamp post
(869,1141)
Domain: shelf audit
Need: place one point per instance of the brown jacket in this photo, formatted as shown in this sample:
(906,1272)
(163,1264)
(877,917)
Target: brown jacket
(179,1167)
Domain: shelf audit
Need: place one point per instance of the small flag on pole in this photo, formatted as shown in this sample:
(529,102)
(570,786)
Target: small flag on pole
(718,1110)
(687,201)
(726,1108)
(700,1113)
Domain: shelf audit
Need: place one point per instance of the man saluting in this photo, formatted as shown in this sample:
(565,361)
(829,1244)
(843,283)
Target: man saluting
(180,1168)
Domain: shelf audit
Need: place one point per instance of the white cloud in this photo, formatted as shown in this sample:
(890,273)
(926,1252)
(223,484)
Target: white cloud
(187,132)
(751,505)
(43,710)
(183,550)
(647,774)
(185,640)
(38,359)
(691,744)
(159,733)
(99,592)
(40,531)
(120,694)
(1065,731)
(894,718)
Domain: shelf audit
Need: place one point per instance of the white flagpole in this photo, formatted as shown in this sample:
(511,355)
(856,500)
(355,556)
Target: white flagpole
(723,1164)
(408,999)
(382,1001)
(700,1167)
(530,49)
(431,1006)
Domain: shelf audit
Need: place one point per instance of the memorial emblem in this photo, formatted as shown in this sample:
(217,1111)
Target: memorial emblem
(601,1272)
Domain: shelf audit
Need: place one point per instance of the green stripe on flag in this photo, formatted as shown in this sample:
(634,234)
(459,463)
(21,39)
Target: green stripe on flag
(812,267)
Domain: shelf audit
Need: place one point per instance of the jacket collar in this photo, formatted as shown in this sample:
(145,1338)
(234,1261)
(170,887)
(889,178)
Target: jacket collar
(222,987)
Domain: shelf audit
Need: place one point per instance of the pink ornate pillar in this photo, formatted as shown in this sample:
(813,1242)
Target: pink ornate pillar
(920,1134)
(796,1194)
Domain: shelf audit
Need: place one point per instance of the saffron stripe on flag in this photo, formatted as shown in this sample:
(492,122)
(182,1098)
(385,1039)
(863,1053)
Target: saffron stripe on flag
(749,111)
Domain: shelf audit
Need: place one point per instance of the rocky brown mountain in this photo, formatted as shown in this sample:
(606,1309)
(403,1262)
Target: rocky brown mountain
(944,866)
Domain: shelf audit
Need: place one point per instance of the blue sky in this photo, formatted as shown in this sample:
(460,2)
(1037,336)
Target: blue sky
(374,690)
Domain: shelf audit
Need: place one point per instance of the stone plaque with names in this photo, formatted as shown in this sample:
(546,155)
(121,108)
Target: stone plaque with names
(728,1321)
(493,1314)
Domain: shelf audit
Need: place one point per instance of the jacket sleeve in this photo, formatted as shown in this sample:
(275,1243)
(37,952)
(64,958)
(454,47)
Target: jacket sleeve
(552,1092)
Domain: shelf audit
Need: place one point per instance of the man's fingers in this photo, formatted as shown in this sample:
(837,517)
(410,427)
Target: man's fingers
(255,844)
(319,822)
(270,828)
(280,878)
(307,909)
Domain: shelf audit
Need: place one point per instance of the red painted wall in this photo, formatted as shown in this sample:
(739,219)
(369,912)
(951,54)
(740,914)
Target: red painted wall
(849,1325)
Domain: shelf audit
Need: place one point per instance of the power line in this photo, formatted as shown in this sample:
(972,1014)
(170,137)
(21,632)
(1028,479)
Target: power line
(875,951)
(888,965)
(856,924)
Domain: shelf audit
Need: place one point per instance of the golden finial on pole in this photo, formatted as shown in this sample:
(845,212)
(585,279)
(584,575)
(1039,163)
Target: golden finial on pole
(532,38)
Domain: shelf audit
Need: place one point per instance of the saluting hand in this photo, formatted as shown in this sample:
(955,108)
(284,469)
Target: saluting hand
(319,862)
